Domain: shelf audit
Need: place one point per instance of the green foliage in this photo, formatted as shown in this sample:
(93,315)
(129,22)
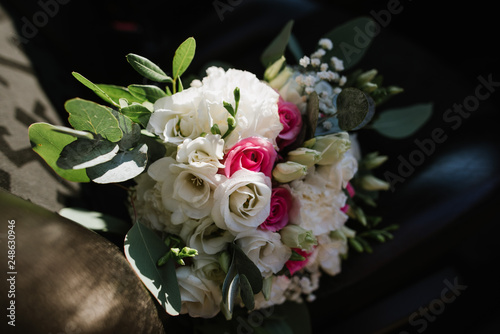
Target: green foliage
(48,141)
(354,109)
(350,41)
(148,69)
(142,249)
(277,47)
(402,122)
(183,57)
(89,116)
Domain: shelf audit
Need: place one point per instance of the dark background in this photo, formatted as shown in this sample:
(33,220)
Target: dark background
(447,208)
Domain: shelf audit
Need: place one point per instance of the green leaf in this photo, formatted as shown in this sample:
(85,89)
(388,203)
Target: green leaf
(350,41)
(402,122)
(96,221)
(183,57)
(312,114)
(246,267)
(131,131)
(147,68)
(84,153)
(246,293)
(142,248)
(124,166)
(90,116)
(102,94)
(230,290)
(277,47)
(48,141)
(277,326)
(147,92)
(137,113)
(117,92)
(354,109)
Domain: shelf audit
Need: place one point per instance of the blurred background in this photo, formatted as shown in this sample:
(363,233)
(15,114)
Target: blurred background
(446,207)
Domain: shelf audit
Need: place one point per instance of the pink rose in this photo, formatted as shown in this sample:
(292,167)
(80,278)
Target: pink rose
(294,266)
(291,119)
(282,203)
(255,154)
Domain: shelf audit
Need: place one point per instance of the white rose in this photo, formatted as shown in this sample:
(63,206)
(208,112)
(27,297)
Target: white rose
(185,191)
(242,202)
(209,266)
(205,236)
(319,204)
(179,116)
(200,297)
(257,110)
(202,152)
(265,249)
(149,206)
(327,255)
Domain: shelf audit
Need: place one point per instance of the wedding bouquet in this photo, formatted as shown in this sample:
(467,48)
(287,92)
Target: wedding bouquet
(243,191)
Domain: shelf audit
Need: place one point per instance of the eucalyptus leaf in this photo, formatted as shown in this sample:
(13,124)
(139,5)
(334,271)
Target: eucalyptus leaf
(137,113)
(118,92)
(96,221)
(95,88)
(90,116)
(131,131)
(246,267)
(48,141)
(142,249)
(354,109)
(402,122)
(228,291)
(124,166)
(277,47)
(147,92)
(183,57)
(73,132)
(84,153)
(351,40)
(246,293)
(147,68)
(312,113)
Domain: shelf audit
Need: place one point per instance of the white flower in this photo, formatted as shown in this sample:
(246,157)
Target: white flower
(337,175)
(195,110)
(209,266)
(338,64)
(327,255)
(279,286)
(325,43)
(304,61)
(205,236)
(293,91)
(265,249)
(242,202)
(185,191)
(318,53)
(200,297)
(319,204)
(149,205)
(202,152)
(258,107)
(179,116)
